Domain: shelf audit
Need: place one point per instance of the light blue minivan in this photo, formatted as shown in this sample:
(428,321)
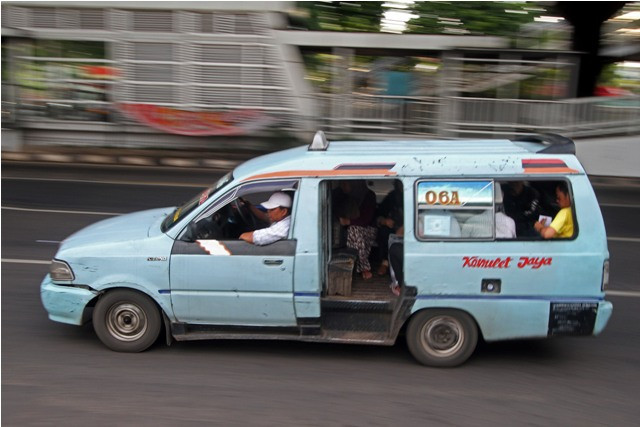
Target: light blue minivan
(476,251)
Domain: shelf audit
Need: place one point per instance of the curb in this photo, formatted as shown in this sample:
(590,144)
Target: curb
(121,160)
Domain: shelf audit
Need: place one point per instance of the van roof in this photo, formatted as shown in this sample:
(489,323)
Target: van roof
(450,158)
(427,147)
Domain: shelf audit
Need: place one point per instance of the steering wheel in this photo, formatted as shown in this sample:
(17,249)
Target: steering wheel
(245,214)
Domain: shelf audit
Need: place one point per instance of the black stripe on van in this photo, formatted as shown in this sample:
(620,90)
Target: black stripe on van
(365,166)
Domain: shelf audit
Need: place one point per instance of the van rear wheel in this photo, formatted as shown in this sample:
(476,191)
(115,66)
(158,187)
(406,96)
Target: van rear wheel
(126,321)
(443,338)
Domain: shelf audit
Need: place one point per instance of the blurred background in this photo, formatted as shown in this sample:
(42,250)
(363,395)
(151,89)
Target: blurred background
(194,75)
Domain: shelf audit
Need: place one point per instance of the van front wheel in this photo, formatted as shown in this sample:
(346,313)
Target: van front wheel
(126,321)
(442,338)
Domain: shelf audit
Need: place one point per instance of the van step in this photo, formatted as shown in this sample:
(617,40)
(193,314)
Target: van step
(257,335)
(324,335)
(357,337)
(352,305)
(189,332)
(356,320)
(375,289)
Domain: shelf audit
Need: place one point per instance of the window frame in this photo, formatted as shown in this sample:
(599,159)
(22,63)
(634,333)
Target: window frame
(241,190)
(417,210)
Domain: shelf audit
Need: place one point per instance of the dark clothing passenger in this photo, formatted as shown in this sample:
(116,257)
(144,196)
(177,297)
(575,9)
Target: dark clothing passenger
(358,215)
(390,219)
(522,203)
(391,207)
(366,210)
(396,256)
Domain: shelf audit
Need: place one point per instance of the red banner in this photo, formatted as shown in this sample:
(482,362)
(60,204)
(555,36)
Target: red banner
(197,123)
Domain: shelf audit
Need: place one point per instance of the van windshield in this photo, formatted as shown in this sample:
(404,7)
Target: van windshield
(186,208)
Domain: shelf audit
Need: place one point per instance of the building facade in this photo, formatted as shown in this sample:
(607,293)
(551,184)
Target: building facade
(140,73)
(200,74)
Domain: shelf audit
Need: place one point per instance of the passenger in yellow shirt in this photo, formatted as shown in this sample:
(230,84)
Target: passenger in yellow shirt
(562,225)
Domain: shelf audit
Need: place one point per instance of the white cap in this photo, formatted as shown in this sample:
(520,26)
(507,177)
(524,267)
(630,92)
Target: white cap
(277,200)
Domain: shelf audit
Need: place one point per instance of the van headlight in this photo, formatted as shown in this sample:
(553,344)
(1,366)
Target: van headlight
(605,275)
(60,270)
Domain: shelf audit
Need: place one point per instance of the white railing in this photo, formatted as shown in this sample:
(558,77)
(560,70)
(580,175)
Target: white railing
(583,117)
(455,117)
(378,115)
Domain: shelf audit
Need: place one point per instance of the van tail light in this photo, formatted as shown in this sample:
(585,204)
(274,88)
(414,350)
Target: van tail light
(605,275)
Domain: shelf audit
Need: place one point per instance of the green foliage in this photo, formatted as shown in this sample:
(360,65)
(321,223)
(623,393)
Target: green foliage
(608,75)
(460,17)
(340,16)
(470,17)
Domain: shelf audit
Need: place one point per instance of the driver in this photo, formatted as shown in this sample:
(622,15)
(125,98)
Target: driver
(279,215)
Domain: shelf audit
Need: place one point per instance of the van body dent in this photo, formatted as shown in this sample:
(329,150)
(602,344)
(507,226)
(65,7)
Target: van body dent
(185,271)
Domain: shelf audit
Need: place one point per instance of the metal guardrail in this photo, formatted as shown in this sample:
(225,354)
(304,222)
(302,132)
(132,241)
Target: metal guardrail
(365,114)
(457,117)
(583,117)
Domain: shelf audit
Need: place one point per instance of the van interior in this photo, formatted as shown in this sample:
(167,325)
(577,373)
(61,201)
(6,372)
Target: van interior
(343,281)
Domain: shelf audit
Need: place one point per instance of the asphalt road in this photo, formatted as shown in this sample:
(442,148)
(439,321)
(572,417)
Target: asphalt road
(55,374)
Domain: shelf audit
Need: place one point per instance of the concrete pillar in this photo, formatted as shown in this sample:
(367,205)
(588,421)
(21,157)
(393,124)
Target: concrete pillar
(449,77)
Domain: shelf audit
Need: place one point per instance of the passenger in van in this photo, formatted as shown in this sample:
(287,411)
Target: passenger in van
(480,225)
(396,259)
(279,215)
(562,225)
(390,219)
(522,203)
(359,221)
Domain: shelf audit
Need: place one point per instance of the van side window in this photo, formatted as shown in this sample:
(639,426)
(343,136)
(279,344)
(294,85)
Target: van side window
(237,211)
(487,210)
(549,202)
(455,210)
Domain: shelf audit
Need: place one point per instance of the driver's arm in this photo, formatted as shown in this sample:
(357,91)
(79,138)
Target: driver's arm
(247,237)
(259,214)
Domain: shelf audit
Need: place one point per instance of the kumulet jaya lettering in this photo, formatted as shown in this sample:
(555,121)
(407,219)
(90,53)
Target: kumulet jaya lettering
(499,262)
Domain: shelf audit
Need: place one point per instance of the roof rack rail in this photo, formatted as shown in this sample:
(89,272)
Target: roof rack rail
(555,144)
(319,143)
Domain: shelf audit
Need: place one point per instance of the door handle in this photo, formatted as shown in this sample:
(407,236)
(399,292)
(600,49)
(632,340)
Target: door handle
(273,262)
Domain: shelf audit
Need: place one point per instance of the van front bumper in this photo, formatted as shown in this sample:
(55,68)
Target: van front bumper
(65,303)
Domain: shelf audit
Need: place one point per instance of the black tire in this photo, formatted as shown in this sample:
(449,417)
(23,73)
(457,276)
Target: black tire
(442,337)
(126,321)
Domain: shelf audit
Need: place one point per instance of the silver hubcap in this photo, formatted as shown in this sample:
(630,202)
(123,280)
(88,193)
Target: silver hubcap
(126,322)
(442,336)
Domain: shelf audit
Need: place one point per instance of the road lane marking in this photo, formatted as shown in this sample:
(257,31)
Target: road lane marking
(632,294)
(61,211)
(48,241)
(624,239)
(90,181)
(619,205)
(25,261)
